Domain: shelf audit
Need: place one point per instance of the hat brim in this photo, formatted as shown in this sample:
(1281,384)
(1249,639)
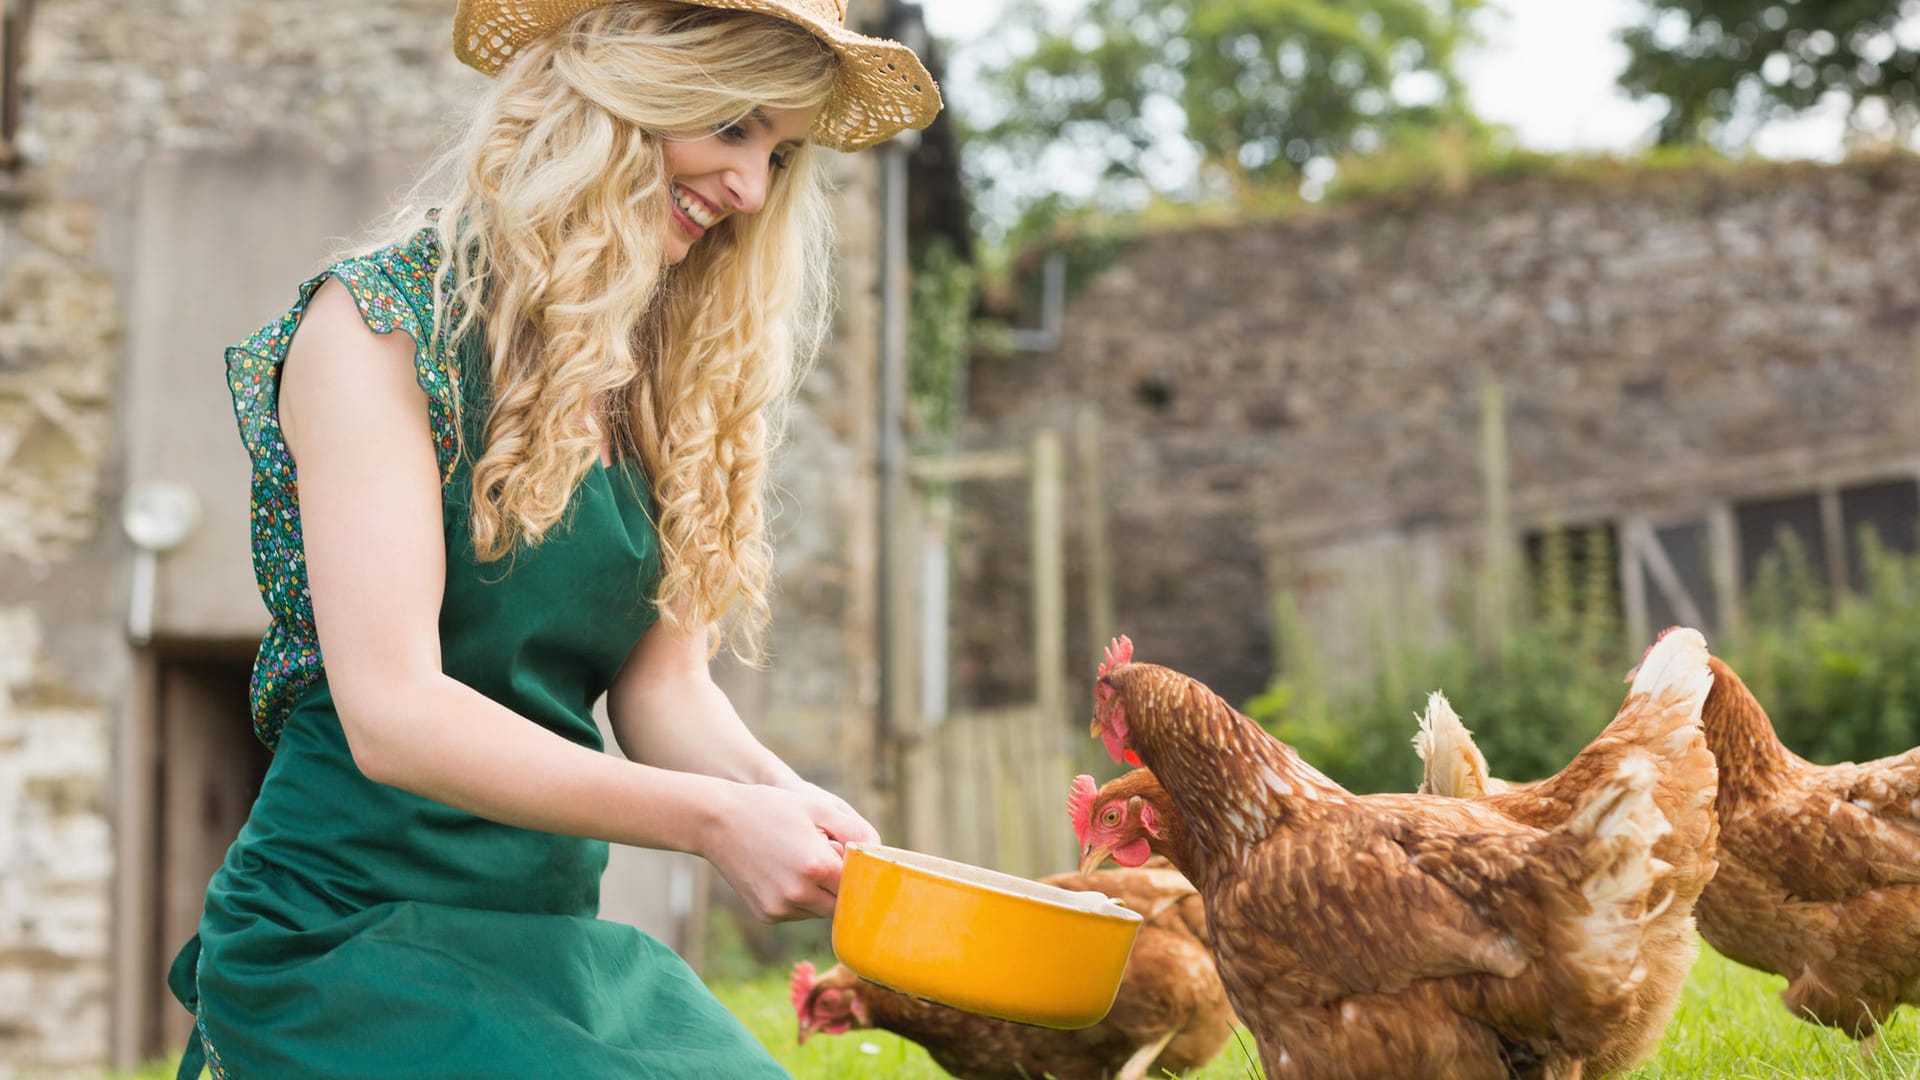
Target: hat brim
(882,90)
(883,87)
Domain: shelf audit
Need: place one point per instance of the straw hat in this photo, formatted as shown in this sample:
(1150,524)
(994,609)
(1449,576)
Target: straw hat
(883,87)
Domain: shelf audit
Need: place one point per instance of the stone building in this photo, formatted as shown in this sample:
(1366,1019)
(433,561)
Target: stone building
(1330,409)
(174,169)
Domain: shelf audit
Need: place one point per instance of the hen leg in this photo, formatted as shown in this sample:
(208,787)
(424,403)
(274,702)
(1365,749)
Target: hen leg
(1869,1046)
(1137,1065)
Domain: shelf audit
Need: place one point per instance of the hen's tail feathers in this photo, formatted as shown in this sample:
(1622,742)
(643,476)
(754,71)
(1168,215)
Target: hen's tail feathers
(1618,824)
(1661,716)
(1454,765)
(1675,669)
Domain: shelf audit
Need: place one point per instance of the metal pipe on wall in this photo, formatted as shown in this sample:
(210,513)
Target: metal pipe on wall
(892,435)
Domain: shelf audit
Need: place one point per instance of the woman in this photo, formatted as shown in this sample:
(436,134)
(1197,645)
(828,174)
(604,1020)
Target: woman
(531,438)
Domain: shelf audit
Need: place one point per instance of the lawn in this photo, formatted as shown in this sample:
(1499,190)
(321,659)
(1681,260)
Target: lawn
(1731,1026)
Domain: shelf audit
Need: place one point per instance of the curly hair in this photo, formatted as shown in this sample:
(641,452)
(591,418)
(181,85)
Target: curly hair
(551,217)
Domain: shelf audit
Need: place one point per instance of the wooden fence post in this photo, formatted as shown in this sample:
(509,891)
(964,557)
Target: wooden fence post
(1048,770)
(1495,606)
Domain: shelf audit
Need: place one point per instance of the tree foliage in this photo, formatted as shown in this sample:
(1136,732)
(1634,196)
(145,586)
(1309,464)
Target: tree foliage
(1726,65)
(1125,99)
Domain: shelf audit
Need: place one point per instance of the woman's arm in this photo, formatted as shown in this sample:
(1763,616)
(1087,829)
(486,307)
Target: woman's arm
(667,711)
(370,508)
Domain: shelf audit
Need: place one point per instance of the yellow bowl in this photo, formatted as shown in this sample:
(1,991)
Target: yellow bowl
(986,942)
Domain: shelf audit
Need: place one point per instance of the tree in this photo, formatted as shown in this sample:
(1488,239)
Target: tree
(1723,63)
(1120,99)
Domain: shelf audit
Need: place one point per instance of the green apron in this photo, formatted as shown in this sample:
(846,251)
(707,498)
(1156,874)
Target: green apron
(358,931)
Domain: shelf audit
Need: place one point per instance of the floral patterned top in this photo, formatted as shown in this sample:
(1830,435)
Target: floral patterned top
(394,289)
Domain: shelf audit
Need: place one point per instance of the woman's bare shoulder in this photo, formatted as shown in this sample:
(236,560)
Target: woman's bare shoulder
(337,363)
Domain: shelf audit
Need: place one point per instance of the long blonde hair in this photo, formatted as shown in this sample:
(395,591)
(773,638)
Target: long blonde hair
(551,223)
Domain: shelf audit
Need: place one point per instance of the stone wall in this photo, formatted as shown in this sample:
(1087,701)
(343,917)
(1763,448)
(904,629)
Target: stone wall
(1307,381)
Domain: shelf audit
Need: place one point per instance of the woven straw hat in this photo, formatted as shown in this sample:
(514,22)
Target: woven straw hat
(883,87)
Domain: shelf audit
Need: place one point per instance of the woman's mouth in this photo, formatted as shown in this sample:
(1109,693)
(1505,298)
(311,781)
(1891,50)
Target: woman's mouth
(692,212)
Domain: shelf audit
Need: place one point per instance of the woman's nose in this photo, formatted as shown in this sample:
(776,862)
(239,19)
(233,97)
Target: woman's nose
(747,185)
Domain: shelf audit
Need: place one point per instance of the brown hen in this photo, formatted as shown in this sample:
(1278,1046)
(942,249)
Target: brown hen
(1405,936)
(1684,795)
(1170,1014)
(1819,868)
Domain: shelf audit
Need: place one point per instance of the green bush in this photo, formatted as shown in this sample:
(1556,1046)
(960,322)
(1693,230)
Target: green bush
(1838,675)
(1837,679)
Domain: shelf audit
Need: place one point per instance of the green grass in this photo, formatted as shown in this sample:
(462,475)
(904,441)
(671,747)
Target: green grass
(1731,1026)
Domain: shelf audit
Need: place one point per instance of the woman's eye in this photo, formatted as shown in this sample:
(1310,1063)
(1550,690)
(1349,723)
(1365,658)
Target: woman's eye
(782,158)
(733,133)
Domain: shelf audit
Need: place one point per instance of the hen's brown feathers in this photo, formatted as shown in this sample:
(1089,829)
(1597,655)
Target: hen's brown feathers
(1409,935)
(1820,868)
(1671,734)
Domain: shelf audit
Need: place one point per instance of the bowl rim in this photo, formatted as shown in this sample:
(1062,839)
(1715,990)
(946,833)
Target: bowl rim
(1025,890)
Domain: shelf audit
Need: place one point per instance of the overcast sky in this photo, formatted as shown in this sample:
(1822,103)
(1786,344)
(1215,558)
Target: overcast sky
(1547,71)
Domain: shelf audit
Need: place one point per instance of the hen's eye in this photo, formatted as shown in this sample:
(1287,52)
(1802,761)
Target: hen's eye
(1111,817)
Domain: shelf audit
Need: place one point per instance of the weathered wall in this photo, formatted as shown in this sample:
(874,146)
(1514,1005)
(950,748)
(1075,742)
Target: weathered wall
(1314,379)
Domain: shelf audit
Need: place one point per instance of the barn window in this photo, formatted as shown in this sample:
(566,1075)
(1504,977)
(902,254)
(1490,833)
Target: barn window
(1772,528)
(1890,510)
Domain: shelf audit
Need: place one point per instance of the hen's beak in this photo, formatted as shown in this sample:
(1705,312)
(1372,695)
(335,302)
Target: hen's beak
(806,1029)
(1091,857)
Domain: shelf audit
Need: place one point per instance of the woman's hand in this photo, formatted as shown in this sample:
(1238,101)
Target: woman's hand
(777,849)
(842,823)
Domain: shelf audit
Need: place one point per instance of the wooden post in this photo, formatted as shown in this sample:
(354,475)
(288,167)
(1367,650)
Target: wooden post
(1049,769)
(136,958)
(1093,513)
(918,795)
(1633,586)
(1833,530)
(1723,540)
(1495,601)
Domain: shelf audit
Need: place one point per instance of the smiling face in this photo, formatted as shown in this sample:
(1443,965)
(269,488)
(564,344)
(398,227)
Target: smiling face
(715,175)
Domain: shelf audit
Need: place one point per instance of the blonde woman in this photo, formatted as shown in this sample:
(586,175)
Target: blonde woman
(531,438)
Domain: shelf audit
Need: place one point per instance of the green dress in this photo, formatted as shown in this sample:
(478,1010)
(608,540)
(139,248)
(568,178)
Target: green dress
(358,931)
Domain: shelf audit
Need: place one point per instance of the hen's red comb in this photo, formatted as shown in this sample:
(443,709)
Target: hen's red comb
(1119,651)
(1080,805)
(801,984)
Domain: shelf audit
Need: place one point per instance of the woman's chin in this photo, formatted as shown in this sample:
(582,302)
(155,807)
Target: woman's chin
(674,250)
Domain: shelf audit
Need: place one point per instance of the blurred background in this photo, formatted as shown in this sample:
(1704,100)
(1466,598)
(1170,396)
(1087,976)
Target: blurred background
(1335,351)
